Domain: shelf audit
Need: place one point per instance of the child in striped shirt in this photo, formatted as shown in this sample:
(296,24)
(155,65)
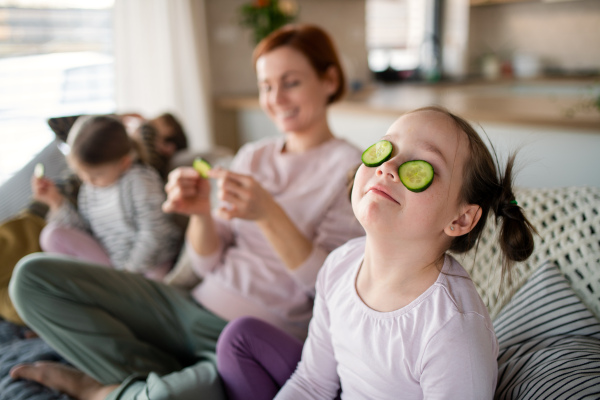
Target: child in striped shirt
(118,221)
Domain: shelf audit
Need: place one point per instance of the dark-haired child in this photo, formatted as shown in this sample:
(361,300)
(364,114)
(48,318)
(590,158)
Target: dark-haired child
(118,220)
(395,316)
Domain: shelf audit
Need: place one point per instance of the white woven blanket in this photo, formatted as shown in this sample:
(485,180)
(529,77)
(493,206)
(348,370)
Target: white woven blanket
(568,223)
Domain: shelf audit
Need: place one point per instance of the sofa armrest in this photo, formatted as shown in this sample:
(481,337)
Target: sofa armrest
(16,191)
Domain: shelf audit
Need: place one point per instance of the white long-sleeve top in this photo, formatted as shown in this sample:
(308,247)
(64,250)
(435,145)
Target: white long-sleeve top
(440,346)
(246,276)
(127,219)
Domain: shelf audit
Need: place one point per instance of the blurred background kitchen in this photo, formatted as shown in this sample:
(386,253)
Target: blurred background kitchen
(525,72)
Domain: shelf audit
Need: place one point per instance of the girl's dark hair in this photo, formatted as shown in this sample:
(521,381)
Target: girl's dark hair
(316,45)
(178,137)
(485,186)
(101,139)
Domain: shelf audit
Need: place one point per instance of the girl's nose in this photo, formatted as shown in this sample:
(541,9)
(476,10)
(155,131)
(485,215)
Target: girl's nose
(388,170)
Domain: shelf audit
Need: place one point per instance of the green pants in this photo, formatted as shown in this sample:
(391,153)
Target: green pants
(120,328)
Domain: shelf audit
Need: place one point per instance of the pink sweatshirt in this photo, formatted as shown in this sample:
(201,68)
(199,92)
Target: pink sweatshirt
(440,346)
(246,277)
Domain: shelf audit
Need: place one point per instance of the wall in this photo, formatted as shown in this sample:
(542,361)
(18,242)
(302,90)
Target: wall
(231,46)
(564,34)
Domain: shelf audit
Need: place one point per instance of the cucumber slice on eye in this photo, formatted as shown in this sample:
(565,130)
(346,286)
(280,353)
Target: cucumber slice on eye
(202,167)
(377,153)
(416,175)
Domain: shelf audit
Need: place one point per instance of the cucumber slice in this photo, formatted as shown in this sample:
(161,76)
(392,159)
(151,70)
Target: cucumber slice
(202,167)
(39,170)
(377,153)
(416,175)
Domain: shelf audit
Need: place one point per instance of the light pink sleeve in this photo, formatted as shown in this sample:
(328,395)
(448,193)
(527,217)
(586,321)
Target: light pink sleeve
(316,376)
(337,227)
(203,265)
(460,360)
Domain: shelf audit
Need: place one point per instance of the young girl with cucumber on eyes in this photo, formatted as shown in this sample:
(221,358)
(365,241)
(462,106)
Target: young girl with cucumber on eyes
(395,315)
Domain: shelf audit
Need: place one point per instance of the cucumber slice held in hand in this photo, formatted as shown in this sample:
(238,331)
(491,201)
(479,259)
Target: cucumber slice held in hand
(416,175)
(39,170)
(377,153)
(202,167)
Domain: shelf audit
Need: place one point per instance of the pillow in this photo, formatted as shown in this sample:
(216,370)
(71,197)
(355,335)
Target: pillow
(549,342)
(19,236)
(62,125)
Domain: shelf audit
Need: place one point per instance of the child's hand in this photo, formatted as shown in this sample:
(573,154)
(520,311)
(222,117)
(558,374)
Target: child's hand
(187,193)
(45,191)
(245,198)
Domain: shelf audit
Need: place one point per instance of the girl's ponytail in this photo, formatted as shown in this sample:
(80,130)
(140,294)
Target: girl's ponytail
(515,231)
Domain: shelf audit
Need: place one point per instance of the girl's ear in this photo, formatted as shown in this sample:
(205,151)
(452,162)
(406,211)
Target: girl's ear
(332,80)
(465,222)
(126,162)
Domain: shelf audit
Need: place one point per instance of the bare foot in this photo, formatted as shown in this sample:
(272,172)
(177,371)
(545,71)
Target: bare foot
(28,334)
(62,378)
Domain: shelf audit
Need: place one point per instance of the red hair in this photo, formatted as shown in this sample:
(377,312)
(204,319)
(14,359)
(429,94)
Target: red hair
(316,45)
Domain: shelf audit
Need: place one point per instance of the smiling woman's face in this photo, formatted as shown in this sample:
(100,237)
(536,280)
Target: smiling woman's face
(290,92)
(383,204)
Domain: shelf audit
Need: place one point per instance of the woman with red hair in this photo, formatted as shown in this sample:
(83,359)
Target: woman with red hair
(284,208)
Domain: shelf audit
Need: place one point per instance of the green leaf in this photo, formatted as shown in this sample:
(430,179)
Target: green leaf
(263,20)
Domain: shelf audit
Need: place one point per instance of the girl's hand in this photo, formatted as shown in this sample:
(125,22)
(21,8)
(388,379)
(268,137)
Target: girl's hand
(45,191)
(187,193)
(244,197)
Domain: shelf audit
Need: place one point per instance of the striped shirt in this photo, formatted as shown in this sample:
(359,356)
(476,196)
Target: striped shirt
(127,220)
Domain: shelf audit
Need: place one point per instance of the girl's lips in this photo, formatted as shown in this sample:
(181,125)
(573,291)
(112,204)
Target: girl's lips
(381,192)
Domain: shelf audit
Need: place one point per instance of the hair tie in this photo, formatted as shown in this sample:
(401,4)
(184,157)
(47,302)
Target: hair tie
(513,202)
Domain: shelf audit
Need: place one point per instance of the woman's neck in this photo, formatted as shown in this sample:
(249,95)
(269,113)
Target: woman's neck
(393,275)
(300,142)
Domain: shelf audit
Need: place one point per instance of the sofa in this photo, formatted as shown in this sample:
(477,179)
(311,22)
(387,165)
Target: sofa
(547,318)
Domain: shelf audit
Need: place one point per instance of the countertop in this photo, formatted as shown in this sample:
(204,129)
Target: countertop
(558,103)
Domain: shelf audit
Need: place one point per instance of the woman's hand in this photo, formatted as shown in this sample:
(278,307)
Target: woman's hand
(243,197)
(45,191)
(187,193)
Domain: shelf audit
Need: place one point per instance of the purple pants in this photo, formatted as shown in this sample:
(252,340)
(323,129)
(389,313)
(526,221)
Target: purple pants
(255,359)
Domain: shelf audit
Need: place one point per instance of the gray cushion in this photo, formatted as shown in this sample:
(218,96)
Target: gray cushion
(549,342)
(16,191)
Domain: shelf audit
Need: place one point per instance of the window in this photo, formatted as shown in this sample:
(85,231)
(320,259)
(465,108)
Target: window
(56,59)
(400,34)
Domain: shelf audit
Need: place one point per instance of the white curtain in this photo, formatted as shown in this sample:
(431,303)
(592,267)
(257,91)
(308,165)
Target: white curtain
(161,58)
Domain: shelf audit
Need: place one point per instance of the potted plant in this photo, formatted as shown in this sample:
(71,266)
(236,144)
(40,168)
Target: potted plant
(265,16)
